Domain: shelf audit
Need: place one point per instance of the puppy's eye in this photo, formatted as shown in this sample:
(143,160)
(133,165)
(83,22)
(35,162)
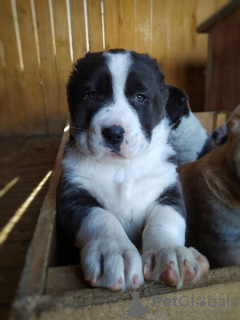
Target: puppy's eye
(140,98)
(92,95)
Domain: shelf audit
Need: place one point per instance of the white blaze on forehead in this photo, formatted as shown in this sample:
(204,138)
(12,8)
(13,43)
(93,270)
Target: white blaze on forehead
(118,64)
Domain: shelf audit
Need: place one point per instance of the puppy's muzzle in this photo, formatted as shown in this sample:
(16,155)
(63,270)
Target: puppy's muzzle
(113,137)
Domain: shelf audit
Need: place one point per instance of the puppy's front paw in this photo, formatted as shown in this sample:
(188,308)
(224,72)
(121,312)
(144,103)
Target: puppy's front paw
(174,266)
(111,264)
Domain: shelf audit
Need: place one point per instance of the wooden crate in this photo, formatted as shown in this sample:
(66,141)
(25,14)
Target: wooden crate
(49,291)
(39,41)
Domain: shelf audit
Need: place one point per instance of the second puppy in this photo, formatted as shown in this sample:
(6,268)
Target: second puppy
(188,137)
(211,189)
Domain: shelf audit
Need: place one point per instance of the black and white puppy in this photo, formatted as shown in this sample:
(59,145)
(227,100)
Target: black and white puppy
(119,189)
(188,137)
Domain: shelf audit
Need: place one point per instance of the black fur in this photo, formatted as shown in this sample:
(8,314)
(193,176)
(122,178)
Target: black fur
(173,159)
(177,105)
(145,77)
(73,205)
(89,74)
(172,196)
(208,146)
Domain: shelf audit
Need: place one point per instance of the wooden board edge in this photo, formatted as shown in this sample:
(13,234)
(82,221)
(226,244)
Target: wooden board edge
(207,25)
(66,308)
(90,296)
(32,281)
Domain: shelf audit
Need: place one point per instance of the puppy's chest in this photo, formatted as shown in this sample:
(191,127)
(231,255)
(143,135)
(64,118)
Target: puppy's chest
(126,191)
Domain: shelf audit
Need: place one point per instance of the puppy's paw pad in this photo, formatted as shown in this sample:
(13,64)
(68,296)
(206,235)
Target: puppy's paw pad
(190,271)
(117,286)
(202,260)
(135,282)
(169,276)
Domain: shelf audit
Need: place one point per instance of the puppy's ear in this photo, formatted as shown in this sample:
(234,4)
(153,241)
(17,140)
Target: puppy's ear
(74,83)
(71,84)
(177,104)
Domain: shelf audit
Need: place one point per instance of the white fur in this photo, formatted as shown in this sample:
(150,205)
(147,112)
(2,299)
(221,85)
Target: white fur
(188,139)
(102,235)
(164,229)
(126,187)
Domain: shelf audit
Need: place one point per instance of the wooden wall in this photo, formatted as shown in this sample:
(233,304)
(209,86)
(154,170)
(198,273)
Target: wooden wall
(39,40)
(223,68)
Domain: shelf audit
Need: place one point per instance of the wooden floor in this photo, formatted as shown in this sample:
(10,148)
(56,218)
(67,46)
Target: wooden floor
(24,163)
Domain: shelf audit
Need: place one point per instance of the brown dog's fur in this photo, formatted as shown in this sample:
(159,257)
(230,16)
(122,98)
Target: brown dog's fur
(211,189)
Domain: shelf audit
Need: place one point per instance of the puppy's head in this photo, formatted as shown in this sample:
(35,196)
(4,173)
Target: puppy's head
(177,105)
(116,99)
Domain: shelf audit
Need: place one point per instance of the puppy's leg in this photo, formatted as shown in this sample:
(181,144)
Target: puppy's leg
(164,256)
(108,258)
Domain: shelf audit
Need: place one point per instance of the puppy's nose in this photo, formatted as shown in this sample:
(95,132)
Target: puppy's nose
(113,135)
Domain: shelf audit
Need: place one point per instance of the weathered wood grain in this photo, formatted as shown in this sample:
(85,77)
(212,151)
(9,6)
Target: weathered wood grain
(63,57)
(95,25)
(48,67)
(13,73)
(78,29)
(111,24)
(33,279)
(33,89)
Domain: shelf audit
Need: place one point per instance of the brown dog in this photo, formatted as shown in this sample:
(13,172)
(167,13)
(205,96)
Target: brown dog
(211,188)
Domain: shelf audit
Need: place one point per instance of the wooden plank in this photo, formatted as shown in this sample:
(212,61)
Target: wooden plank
(127,24)
(63,58)
(94,304)
(193,55)
(70,278)
(63,279)
(48,67)
(5,111)
(111,24)
(174,70)
(34,95)
(78,29)
(160,32)
(14,75)
(219,15)
(143,26)
(220,119)
(213,97)
(207,119)
(230,87)
(34,275)
(95,25)
(222,93)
